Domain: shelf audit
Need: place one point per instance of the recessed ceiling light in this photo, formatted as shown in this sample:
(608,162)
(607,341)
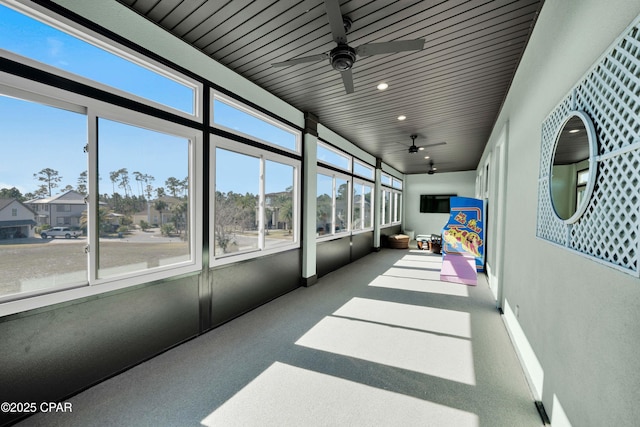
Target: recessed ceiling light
(402,117)
(426,157)
(383,86)
(574,131)
(421,148)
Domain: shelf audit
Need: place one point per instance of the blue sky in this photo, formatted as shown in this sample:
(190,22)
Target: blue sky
(35,136)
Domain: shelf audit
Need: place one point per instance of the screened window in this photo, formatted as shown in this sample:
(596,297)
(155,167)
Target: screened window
(363,170)
(237,194)
(279,204)
(255,203)
(124,207)
(391,207)
(333,157)
(362,206)
(242,120)
(95,60)
(386,207)
(39,157)
(332,204)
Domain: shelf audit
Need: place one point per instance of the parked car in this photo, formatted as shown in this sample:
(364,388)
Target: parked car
(65,232)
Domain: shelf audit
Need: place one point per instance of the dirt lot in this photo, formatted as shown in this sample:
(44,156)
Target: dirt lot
(30,264)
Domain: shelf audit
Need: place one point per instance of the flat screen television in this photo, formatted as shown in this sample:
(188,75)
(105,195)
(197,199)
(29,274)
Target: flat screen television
(435,203)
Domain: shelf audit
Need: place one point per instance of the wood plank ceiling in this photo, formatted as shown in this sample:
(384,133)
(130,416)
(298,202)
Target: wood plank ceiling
(451,91)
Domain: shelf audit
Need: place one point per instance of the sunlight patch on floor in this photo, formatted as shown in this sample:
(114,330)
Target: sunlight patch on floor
(428,353)
(428,319)
(413,273)
(434,286)
(314,399)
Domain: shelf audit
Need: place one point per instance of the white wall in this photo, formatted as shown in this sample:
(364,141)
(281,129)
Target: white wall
(581,318)
(460,183)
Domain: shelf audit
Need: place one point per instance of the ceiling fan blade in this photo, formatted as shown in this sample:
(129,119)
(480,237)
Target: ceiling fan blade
(389,47)
(302,60)
(335,21)
(347,79)
(433,145)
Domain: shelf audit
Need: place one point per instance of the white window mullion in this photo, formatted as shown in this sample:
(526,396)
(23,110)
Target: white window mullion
(92,198)
(261,206)
(334,195)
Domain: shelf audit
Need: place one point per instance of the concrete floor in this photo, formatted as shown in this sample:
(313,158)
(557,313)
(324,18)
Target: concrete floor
(380,342)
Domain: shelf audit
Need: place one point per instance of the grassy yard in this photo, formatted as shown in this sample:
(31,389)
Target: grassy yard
(39,261)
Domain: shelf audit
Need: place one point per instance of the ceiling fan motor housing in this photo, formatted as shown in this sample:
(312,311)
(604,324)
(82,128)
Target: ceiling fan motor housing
(342,57)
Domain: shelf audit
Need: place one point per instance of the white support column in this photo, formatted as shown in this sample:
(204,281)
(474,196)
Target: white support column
(376,205)
(309,185)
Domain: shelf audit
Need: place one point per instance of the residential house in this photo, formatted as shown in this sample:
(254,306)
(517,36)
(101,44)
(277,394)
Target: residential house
(16,219)
(63,209)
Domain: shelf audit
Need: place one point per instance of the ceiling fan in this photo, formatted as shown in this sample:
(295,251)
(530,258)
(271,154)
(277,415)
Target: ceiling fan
(414,148)
(432,168)
(343,56)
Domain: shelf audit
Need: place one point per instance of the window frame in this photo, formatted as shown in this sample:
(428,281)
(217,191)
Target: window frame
(372,170)
(371,186)
(337,152)
(395,204)
(263,155)
(258,115)
(60,23)
(135,119)
(337,175)
(29,90)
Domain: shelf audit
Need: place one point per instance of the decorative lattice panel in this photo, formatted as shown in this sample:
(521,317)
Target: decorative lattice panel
(610,95)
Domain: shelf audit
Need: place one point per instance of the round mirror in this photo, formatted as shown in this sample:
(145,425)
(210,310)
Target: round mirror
(573,167)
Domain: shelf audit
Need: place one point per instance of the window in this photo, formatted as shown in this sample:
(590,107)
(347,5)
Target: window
(255,203)
(332,205)
(581,185)
(362,206)
(125,206)
(119,180)
(391,206)
(38,167)
(242,120)
(14,212)
(95,60)
(386,207)
(333,157)
(363,170)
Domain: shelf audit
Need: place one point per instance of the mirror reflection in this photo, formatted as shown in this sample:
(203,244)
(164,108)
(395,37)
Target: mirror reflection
(571,166)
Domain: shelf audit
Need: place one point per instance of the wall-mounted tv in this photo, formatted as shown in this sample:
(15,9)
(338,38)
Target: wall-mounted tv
(435,203)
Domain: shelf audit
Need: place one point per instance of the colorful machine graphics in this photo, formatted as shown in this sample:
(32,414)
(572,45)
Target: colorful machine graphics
(464,233)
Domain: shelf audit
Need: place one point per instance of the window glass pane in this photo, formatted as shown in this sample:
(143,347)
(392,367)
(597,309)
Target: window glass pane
(30,38)
(368,206)
(385,179)
(342,205)
(278,204)
(583,177)
(332,157)
(236,203)
(241,121)
(397,184)
(358,200)
(324,205)
(386,206)
(40,169)
(141,222)
(363,170)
